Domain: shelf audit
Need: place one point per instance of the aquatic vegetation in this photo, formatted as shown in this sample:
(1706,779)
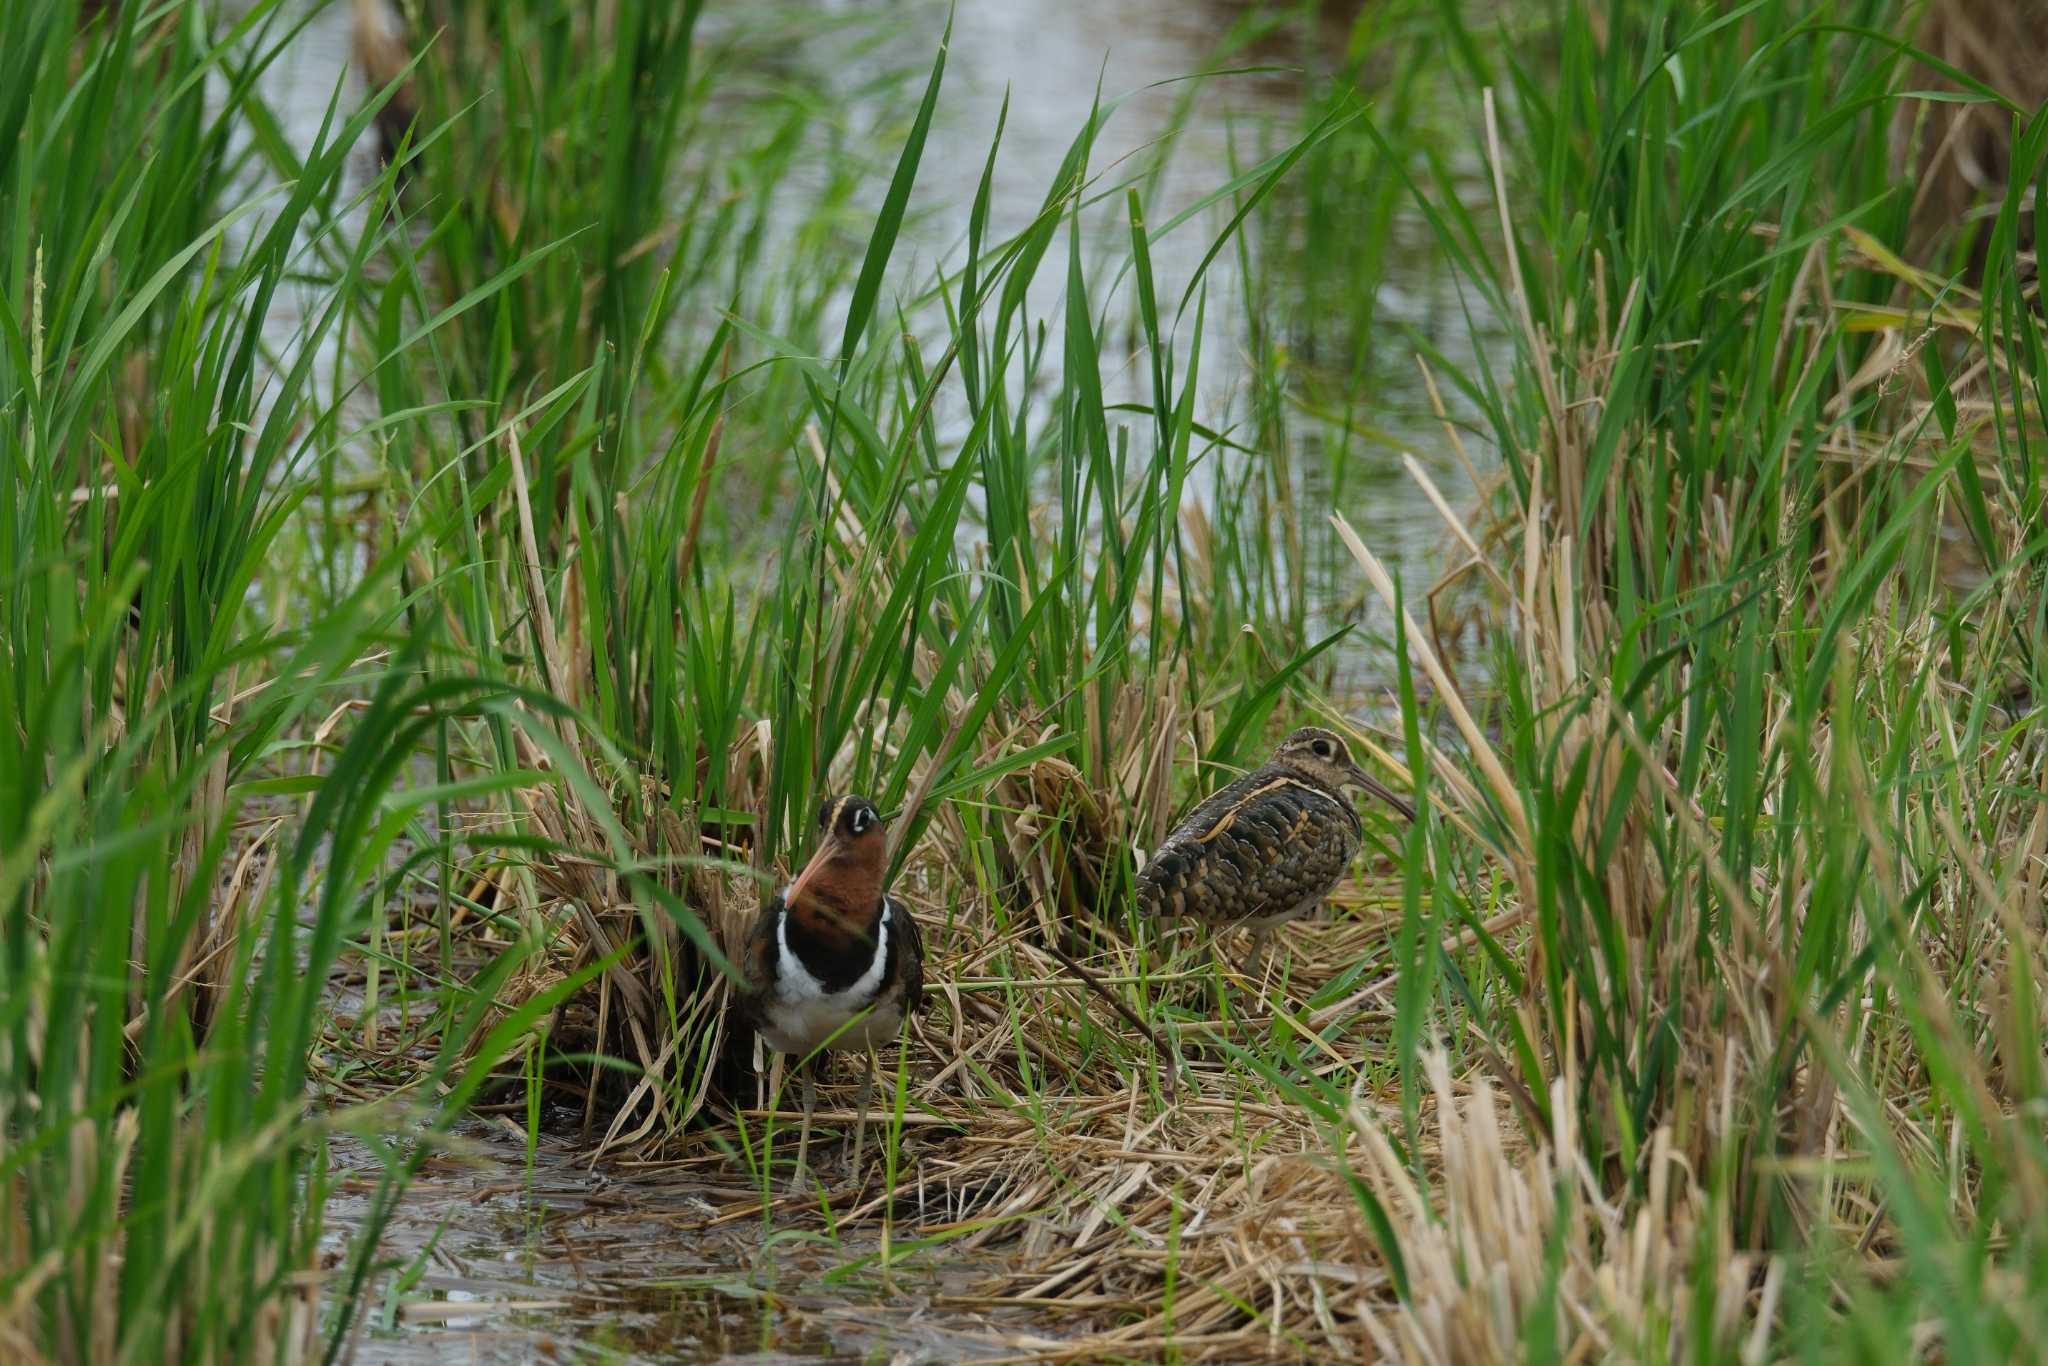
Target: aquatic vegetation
(457,529)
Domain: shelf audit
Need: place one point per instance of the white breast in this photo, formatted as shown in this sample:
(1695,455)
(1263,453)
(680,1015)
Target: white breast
(801,1013)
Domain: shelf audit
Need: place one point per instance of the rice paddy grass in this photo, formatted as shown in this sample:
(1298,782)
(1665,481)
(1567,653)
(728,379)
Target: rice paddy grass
(449,546)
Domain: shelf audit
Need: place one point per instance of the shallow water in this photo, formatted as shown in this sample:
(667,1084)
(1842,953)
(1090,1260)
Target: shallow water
(1053,59)
(489,1260)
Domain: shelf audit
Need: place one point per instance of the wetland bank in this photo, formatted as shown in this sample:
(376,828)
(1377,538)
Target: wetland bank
(439,589)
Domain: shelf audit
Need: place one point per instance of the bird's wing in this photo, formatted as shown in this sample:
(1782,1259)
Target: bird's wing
(912,947)
(758,963)
(1262,846)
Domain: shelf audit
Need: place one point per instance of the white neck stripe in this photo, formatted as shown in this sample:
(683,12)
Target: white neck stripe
(798,984)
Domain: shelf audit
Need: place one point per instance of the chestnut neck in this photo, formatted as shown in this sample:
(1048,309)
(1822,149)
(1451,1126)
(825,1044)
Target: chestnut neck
(842,903)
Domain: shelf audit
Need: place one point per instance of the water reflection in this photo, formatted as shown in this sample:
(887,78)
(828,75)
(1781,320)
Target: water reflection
(491,1262)
(1355,397)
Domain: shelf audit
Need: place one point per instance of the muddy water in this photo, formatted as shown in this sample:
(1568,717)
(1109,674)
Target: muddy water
(492,1257)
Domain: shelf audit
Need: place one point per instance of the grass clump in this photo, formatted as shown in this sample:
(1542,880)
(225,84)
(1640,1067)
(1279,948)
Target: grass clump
(1760,769)
(171,909)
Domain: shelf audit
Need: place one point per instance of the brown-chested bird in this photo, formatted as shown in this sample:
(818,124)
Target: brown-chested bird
(834,961)
(1270,846)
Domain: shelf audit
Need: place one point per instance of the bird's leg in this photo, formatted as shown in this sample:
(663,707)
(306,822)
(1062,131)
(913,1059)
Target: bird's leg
(860,1131)
(803,1143)
(1257,952)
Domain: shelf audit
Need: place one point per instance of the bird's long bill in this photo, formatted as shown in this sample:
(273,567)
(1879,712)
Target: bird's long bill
(828,850)
(1382,791)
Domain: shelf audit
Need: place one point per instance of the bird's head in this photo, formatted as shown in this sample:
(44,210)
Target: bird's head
(842,883)
(1322,757)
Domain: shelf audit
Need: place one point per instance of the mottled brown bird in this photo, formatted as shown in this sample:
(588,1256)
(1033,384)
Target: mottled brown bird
(1267,848)
(834,961)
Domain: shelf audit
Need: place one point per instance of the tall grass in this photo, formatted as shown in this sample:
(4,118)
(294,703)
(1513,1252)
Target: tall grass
(163,967)
(417,708)
(1763,768)
(173,909)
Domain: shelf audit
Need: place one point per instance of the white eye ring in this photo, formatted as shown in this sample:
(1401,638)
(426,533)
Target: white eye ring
(860,821)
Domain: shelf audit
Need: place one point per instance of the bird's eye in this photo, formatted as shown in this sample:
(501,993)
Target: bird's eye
(859,820)
(1324,748)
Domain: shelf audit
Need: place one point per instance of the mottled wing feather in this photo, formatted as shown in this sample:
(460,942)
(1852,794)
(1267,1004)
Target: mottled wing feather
(759,962)
(1263,846)
(911,944)
(1171,881)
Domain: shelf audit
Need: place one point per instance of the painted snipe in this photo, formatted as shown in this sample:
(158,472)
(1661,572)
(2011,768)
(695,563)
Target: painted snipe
(1267,848)
(834,961)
